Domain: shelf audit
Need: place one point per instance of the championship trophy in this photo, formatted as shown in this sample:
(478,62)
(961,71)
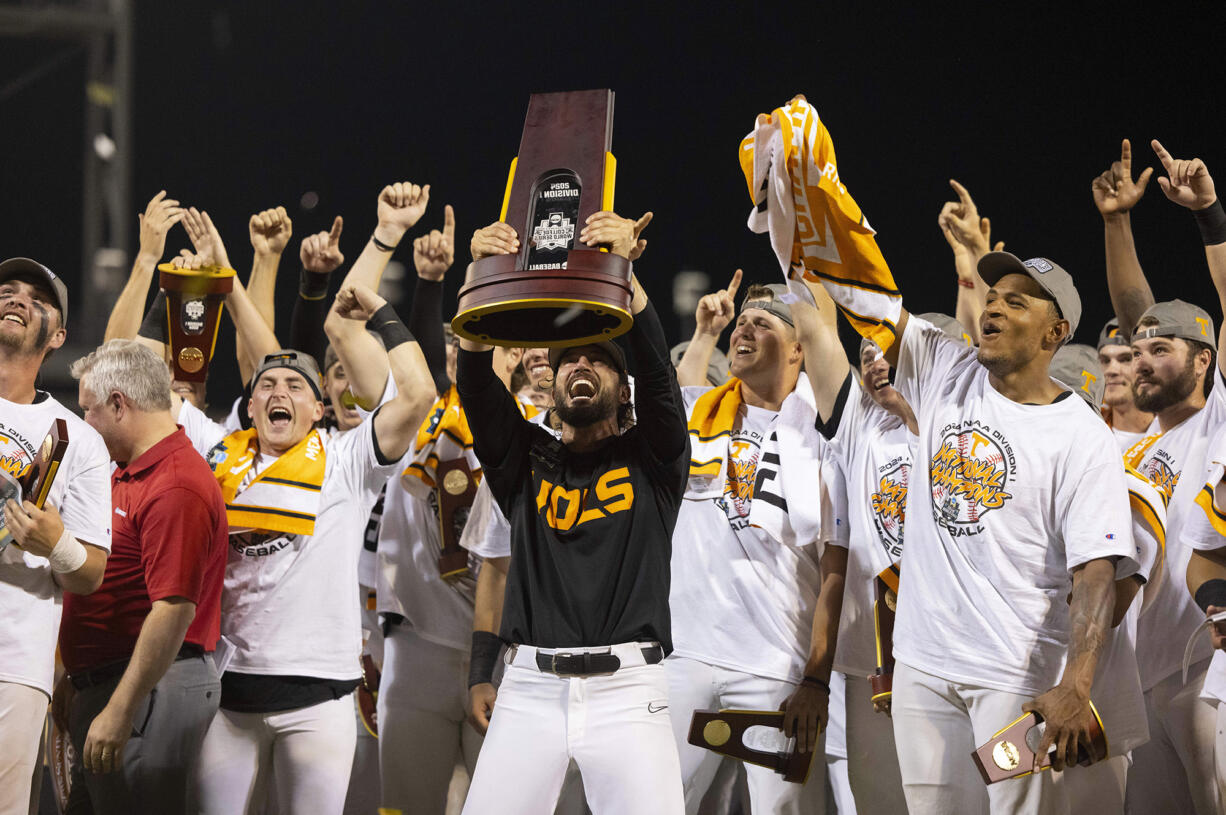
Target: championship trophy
(194,299)
(724,732)
(35,483)
(457,487)
(884,607)
(1011,752)
(554,292)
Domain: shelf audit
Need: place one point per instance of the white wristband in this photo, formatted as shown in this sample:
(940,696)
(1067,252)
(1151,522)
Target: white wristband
(68,555)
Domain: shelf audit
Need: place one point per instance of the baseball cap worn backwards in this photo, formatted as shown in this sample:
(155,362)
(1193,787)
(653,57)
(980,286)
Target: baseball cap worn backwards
(1110,335)
(1076,365)
(1051,278)
(775,304)
(296,361)
(1175,318)
(19,267)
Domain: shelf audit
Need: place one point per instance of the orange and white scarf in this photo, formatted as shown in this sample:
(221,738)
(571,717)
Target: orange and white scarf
(282,498)
(816,228)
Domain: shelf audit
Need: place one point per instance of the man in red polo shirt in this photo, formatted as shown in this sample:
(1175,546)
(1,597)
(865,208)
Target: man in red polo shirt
(138,651)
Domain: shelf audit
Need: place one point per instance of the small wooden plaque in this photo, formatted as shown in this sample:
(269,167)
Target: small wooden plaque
(36,484)
(1008,754)
(457,488)
(723,732)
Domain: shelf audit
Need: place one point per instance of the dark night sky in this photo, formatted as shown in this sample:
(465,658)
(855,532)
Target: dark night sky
(242,106)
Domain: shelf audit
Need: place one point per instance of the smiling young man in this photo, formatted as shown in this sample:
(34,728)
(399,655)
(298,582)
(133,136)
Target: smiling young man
(61,547)
(1128,422)
(1177,377)
(758,560)
(1017,498)
(586,607)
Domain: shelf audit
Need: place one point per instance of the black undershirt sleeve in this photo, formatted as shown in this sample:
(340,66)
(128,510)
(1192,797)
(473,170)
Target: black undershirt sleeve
(658,407)
(829,427)
(500,434)
(306,322)
(426,323)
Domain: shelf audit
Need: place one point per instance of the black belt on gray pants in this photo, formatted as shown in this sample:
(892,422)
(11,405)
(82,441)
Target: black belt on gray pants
(112,670)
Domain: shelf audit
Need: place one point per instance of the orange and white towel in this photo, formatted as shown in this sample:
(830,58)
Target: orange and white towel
(816,228)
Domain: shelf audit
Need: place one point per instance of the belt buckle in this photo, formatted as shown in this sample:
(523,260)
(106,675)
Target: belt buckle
(553,663)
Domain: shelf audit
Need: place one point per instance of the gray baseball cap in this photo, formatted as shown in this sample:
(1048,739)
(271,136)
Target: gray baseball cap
(14,267)
(1050,277)
(1175,318)
(1076,365)
(298,361)
(1110,335)
(775,305)
(948,325)
(717,368)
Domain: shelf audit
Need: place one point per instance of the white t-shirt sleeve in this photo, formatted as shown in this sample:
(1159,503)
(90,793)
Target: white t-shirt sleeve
(926,358)
(1204,528)
(487,533)
(836,526)
(363,473)
(1096,519)
(86,503)
(203,432)
(389,393)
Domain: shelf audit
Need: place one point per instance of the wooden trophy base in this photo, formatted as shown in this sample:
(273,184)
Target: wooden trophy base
(1009,753)
(587,301)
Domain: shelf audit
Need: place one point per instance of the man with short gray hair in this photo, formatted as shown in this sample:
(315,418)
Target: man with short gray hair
(141,686)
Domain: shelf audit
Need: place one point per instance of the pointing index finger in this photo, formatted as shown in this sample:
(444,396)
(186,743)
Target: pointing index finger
(1126,156)
(735,284)
(963,195)
(1163,156)
(449,224)
(334,236)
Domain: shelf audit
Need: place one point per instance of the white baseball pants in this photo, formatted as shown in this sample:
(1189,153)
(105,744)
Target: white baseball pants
(694,685)
(1173,771)
(872,759)
(937,725)
(616,728)
(23,711)
(423,698)
(307,754)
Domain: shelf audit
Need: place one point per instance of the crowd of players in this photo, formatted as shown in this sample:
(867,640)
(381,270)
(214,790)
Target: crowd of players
(653,533)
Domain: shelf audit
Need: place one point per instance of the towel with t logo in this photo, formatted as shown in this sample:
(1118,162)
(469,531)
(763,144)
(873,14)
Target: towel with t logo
(788,497)
(816,228)
(444,436)
(282,498)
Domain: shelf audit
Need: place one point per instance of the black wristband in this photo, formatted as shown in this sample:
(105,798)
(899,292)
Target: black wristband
(154,324)
(387,325)
(1212,223)
(486,647)
(312,285)
(1211,593)
(816,682)
(381,246)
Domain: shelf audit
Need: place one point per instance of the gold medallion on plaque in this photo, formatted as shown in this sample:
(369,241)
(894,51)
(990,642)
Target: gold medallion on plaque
(191,359)
(1005,755)
(455,482)
(891,600)
(717,732)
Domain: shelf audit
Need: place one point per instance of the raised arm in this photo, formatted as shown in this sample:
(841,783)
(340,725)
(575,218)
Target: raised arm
(433,255)
(320,255)
(1115,194)
(396,423)
(826,362)
(270,232)
(969,237)
(160,215)
(714,312)
(399,207)
(1189,184)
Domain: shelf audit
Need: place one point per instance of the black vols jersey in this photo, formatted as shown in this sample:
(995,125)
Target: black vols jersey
(590,532)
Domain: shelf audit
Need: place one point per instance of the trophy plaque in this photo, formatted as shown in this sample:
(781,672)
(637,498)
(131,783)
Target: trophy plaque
(884,607)
(1011,752)
(555,291)
(194,299)
(723,732)
(457,487)
(368,695)
(35,484)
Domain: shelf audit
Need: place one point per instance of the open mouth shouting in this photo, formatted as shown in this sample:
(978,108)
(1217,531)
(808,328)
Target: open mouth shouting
(280,417)
(13,317)
(989,329)
(581,389)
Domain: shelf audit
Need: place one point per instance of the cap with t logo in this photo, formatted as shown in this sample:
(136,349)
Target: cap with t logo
(1175,318)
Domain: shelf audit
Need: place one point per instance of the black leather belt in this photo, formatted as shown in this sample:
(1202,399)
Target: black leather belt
(586,664)
(113,670)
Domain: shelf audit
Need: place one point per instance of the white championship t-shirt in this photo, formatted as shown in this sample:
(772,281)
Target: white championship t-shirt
(1177,463)
(30,600)
(1207,534)
(1005,501)
(287,601)
(740,599)
(874,451)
